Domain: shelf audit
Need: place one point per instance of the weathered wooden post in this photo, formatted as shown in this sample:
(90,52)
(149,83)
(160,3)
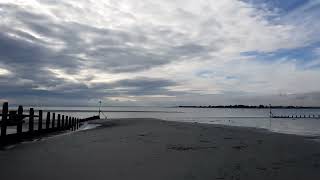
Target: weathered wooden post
(59,122)
(48,121)
(4,119)
(53,120)
(77,123)
(20,119)
(74,123)
(66,123)
(62,122)
(31,120)
(40,121)
(69,123)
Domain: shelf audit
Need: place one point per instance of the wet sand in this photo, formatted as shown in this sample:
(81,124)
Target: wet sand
(149,149)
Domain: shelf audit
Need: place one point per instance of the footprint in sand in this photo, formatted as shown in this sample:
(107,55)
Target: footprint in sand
(240,147)
(228,138)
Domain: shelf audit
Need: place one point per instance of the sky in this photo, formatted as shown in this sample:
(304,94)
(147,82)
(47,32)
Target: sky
(160,53)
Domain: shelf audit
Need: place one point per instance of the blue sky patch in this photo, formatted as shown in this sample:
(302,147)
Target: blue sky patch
(301,56)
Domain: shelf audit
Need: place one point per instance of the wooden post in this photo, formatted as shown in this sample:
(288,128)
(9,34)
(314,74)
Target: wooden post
(71,125)
(48,121)
(59,123)
(69,122)
(20,119)
(78,123)
(53,120)
(4,119)
(31,120)
(74,123)
(66,123)
(62,122)
(40,121)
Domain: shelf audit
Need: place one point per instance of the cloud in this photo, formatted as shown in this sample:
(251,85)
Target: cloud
(137,49)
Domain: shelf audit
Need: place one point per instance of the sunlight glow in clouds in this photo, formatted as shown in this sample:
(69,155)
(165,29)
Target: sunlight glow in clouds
(142,51)
(4,72)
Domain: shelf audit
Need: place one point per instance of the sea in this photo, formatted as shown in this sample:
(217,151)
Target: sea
(255,118)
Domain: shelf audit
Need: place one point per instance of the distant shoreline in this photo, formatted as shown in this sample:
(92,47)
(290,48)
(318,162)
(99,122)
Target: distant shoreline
(252,107)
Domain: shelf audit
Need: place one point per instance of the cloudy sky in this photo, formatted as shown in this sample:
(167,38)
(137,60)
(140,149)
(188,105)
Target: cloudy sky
(166,52)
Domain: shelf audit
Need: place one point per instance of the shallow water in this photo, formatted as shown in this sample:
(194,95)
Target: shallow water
(258,118)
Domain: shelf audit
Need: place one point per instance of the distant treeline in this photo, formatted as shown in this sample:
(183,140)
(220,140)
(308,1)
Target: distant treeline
(253,107)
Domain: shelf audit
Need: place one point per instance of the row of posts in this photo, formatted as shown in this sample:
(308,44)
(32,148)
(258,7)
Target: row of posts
(296,116)
(53,122)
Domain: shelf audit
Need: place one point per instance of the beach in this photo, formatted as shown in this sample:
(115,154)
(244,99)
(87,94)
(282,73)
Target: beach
(147,149)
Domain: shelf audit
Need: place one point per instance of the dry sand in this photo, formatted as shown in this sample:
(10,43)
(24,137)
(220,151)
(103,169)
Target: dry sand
(149,149)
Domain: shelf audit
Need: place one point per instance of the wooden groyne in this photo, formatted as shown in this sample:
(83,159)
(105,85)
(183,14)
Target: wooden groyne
(53,123)
(296,116)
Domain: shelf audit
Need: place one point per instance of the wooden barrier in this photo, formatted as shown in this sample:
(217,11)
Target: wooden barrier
(313,116)
(16,118)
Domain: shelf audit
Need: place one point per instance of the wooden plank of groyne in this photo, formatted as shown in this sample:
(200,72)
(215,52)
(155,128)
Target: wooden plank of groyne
(62,122)
(48,121)
(4,119)
(40,121)
(20,120)
(53,120)
(69,122)
(31,120)
(66,122)
(59,122)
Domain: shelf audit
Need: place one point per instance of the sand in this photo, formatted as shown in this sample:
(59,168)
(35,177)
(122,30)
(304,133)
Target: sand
(150,149)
